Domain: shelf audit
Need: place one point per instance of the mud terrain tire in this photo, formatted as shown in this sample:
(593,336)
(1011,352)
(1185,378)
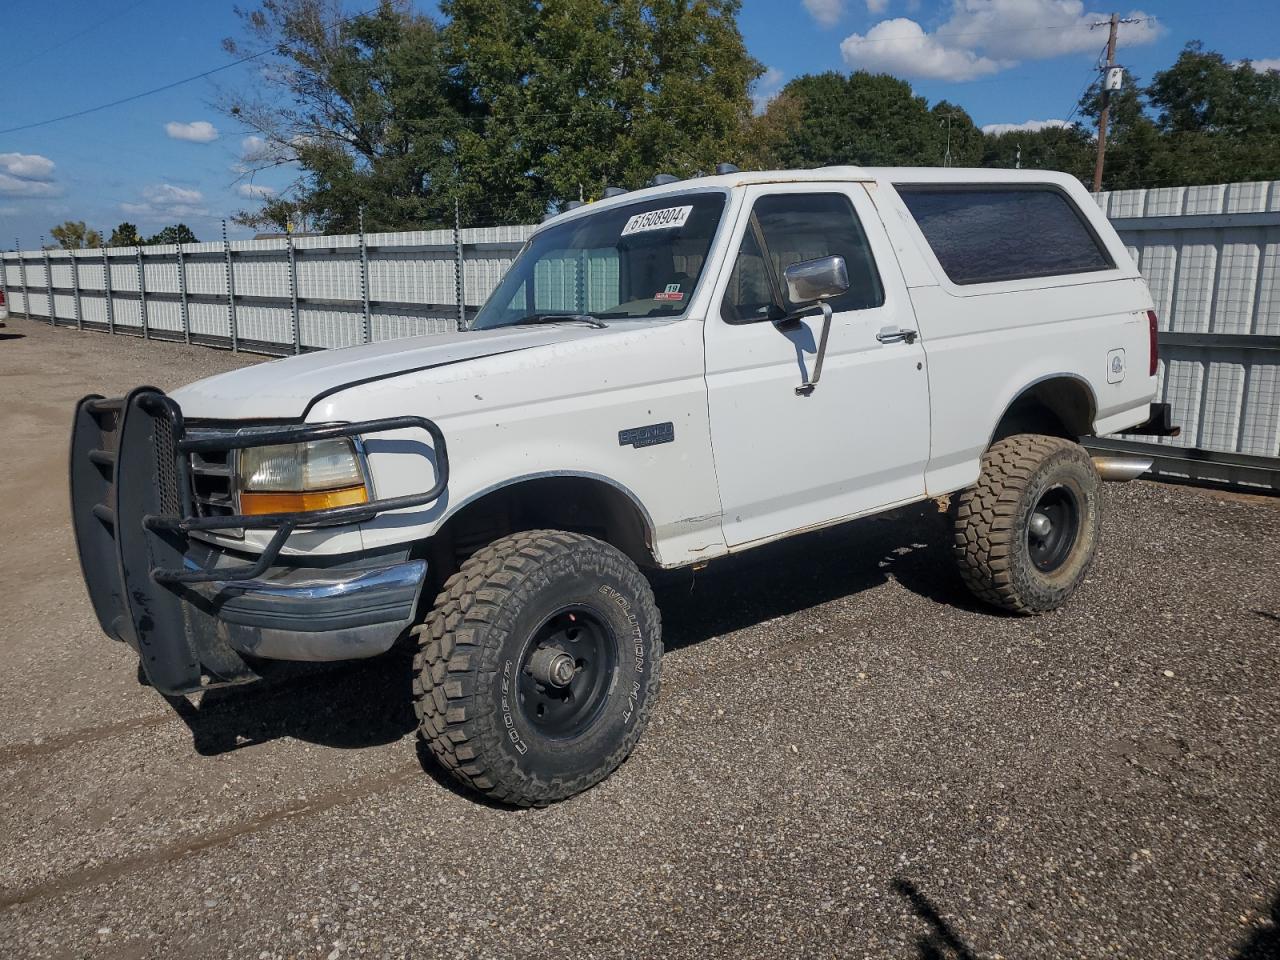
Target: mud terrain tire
(1027,531)
(492,687)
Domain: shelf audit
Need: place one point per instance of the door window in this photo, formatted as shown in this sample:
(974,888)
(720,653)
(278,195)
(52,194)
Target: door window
(787,228)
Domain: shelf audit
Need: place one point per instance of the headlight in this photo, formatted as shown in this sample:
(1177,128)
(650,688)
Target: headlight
(293,477)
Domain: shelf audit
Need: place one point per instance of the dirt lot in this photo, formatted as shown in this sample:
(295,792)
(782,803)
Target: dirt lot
(850,757)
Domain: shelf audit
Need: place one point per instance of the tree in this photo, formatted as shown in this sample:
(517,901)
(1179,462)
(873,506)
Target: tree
(74,235)
(512,106)
(865,119)
(125,235)
(570,96)
(364,107)
(1067,149)
(178,233)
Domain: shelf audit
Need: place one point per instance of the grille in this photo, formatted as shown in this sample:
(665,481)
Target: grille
(213,488)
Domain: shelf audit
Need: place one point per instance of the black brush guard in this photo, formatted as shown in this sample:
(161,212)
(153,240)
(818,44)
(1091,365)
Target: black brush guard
(132,511)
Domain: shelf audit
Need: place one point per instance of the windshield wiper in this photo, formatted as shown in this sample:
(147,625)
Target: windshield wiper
(560,318)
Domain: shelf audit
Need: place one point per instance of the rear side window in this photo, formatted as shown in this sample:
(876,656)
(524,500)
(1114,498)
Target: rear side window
(985,234)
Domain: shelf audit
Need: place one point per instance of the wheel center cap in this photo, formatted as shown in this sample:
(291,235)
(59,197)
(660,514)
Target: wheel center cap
(1040,525)
(552,666)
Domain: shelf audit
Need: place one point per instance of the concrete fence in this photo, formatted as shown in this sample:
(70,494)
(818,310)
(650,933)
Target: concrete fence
(1210,253)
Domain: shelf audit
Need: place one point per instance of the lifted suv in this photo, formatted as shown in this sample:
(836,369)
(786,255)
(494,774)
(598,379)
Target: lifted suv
(662,378)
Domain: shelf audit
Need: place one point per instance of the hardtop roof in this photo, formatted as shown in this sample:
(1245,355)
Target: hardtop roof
(838,174)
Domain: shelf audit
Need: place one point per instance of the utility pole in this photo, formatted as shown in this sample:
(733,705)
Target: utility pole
(1114,27)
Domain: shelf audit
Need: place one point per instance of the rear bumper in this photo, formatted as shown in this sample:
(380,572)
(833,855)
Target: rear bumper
(192,612)
(1158,424)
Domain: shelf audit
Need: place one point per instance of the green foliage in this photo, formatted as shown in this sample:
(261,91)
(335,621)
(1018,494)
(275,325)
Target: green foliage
(366,109)
(125,235)
(862,118)
(571,96)
(74,235)
(512,106)
(1066,149)
(178,233)
(1214,122)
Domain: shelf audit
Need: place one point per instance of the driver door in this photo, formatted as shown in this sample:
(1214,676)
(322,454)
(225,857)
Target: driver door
(860,441)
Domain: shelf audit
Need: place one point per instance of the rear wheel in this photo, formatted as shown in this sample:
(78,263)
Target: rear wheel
(1026,533)
(538,667)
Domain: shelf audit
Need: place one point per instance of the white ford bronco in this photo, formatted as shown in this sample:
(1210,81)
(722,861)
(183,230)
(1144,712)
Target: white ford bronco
(664,377)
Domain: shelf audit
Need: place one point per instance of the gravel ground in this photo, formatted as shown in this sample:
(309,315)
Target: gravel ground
(850,757)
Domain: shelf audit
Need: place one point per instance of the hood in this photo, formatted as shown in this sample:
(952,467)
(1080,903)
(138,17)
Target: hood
(287,388)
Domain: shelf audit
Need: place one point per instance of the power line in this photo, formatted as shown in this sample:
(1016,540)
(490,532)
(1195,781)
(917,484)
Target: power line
(167,86)
(75,36)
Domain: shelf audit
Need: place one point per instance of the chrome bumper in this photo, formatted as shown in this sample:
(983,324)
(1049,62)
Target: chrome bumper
(342,613)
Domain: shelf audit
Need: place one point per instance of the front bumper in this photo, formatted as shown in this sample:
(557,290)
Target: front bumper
(192,612)
(296,613)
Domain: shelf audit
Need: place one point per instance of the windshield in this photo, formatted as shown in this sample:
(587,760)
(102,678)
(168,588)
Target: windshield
(637,261)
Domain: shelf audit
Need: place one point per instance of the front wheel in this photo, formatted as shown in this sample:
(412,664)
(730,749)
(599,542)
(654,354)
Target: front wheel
(538,666)
(1026,532)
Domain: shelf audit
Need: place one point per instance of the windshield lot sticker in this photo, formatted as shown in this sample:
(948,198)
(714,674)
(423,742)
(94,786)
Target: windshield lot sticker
(666,219)
(671,293)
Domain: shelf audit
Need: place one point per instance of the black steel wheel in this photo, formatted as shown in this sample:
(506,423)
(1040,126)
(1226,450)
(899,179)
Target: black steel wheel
(538,667)
(1027,531)
(565,673)
(1053,527)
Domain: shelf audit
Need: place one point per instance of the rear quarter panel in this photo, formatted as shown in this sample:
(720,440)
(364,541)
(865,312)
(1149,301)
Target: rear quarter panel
(988,342)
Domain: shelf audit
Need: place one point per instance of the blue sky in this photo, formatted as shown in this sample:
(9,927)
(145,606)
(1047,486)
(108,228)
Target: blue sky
(172,157)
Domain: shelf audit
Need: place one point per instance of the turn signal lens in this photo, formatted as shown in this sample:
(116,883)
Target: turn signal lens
(256,504)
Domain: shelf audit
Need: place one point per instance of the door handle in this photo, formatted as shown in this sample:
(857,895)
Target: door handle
(895,335)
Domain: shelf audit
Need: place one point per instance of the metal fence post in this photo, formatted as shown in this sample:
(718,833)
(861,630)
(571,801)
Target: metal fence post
(182,294)
(364,283)
(295,330)
(459,278)
(142,296)
(106,291)
(75,284)
(231,290)
(48,285)
(4,279)
(22,275)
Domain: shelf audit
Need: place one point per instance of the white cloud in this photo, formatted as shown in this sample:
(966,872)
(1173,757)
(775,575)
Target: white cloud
(767,86)
(901,47)
(252,146)
(18,187)
(1263,64)
(1037,29)
(1029,126)
(826,12)
(877,6)
(164,201)
(255,191)
(198,131)
(981,37)
(28,166)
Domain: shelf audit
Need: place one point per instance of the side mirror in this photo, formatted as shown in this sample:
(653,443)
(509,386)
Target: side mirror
(812,281)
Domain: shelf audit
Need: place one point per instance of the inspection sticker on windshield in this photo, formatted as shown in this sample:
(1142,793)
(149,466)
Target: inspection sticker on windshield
(666,219)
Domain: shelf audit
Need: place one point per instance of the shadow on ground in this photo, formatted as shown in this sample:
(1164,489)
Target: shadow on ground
(941,942)
(369,703)
(1264,942)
